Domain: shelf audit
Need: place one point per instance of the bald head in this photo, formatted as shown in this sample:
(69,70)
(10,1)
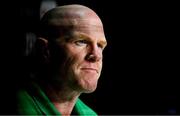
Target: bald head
(64,17)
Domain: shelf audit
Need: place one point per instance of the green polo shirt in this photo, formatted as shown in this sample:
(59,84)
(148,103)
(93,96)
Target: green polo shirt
(33,101)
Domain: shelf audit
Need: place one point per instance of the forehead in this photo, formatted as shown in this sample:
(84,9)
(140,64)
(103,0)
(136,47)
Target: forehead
(89,27)
(83,29)
(80,22)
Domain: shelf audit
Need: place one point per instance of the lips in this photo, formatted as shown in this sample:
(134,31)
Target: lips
(89,69)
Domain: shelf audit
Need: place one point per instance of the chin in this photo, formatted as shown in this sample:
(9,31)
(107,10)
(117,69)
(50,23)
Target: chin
(90,89)
(88,84)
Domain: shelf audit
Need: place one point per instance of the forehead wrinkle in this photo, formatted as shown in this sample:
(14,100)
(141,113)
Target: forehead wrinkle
(83,25)
(75,21)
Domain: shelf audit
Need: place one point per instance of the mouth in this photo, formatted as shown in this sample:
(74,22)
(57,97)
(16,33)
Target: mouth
(90,69)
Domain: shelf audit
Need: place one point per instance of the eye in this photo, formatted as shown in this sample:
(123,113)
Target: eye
(100,46)
(81,42)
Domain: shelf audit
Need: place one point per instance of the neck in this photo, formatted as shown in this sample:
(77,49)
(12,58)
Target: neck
(66,107)
(63,98)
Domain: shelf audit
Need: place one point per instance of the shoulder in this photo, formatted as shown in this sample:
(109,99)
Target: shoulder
(25,103)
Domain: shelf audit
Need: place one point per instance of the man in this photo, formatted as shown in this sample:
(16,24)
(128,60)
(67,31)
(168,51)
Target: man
(69,62)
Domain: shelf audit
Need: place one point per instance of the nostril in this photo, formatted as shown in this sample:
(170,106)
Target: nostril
(91,58)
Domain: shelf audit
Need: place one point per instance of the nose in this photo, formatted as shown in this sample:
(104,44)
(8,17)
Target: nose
(94,54)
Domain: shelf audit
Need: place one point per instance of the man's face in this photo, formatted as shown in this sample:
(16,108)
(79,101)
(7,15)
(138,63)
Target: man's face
(82,65)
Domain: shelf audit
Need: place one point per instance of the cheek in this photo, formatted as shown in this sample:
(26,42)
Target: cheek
(70,69)
(72,61)
(75,55)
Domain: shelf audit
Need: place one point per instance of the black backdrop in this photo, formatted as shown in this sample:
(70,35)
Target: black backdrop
(140,61)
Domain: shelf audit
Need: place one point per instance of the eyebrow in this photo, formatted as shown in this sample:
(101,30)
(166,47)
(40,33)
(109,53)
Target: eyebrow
(104,43)
(84,36)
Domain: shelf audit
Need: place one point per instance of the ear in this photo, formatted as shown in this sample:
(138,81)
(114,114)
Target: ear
(43,40)
(42,50)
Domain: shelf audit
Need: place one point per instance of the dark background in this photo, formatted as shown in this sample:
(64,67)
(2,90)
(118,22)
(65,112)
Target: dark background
(140,62)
